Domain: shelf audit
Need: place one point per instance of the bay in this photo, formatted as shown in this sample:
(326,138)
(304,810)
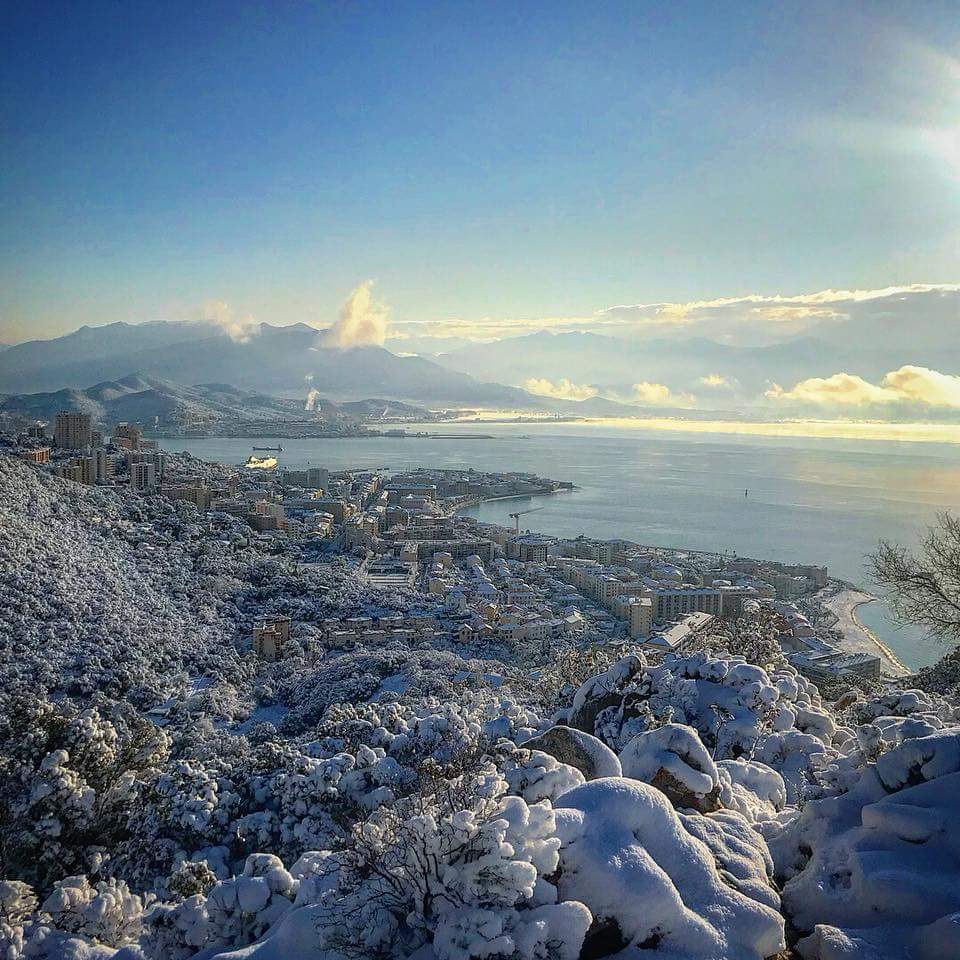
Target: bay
(793,499)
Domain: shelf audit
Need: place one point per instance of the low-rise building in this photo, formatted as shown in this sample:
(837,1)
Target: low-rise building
(270,633)
(678,633)
(637,611)
(829,665)
(198,494)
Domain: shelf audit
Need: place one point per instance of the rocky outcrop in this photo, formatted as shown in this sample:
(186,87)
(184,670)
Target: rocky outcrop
(591,756)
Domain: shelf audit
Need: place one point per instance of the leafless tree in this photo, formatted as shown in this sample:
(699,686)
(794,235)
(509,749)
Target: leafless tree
(923,587)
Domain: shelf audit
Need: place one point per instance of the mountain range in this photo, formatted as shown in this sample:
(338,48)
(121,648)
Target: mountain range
(145,399)
(282,361)
(142,398)
(613,364)
(278,363)
(286,363)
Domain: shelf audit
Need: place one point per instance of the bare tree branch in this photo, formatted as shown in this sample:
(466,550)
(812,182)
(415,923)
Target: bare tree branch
(923,588)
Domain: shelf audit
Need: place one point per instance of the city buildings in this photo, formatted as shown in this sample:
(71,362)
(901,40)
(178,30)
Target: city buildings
(156,459)
(269,636)
(486,583)
(198,494)
(73,430)
(529,547)
(312,478)
(127,435)
(105,464)
(638,614)
(671,602)
(36,454)
(143,476)
(681,631)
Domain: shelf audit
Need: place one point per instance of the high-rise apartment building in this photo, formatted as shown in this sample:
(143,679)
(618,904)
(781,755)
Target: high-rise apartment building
(105,463)
(638,612)
(156,458)
(143,477)
(73,430)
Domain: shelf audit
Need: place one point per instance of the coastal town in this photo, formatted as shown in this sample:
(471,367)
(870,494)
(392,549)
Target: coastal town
(482,585)
(480,481)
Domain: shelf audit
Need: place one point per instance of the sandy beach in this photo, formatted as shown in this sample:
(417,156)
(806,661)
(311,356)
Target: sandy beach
(856,637)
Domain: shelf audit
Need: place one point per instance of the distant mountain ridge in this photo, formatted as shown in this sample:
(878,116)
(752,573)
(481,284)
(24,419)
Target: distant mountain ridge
(284,361)
(614,364)
(141,398)
(144,399)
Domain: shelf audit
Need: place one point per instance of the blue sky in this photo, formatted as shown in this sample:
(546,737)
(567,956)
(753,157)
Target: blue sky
(489,160)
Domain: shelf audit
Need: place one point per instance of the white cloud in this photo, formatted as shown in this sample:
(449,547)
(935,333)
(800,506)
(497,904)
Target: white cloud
(562,389)
(362,321)
(240,329)
(716,380)
(910,385)
(925,386)
(752,319)
(660,395)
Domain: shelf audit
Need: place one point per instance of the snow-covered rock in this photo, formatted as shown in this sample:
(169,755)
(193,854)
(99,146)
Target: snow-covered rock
(673,759)
(882,860)
(592,757)
(639,865)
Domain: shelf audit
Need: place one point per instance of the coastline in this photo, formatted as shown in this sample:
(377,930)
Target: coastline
(884,649)
(857,638)
(477,501)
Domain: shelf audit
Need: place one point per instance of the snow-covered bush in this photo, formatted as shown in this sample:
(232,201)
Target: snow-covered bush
(658,880)
(17,903)
(105,913)
(464,868)
(538,776)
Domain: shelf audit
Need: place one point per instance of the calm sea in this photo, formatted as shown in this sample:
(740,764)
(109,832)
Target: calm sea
(790,499)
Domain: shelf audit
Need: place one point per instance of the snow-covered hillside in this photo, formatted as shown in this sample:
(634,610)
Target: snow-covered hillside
(163,794)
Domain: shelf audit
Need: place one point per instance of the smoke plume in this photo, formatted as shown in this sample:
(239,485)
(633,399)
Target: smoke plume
(362,321)
(240,329)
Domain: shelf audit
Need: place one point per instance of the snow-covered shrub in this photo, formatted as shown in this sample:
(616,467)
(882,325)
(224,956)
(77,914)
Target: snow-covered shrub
(537,776)
(17,903)
(464,868)
(66,780)
(105,912)
(175,931)
(240,909)
(655,879)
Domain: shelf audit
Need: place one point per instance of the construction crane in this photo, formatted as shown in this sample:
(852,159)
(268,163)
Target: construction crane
(516,517)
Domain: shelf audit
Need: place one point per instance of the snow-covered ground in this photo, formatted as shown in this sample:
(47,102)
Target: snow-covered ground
(164,795)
